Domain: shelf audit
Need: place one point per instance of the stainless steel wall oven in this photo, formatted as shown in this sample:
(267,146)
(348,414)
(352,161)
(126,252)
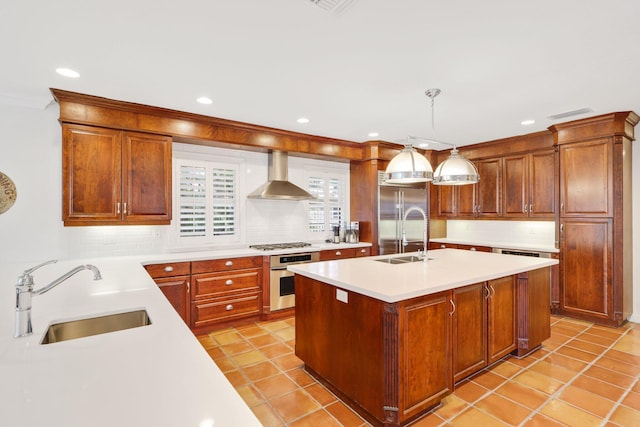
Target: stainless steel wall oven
(281,282)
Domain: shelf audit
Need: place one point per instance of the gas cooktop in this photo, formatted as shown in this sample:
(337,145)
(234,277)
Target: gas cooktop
(276,246)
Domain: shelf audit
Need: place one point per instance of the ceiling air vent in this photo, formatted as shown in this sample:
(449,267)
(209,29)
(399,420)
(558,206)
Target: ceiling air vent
(333,6)
(570,113)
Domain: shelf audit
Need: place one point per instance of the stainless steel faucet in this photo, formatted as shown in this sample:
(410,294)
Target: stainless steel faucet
(422,255)
(24,293)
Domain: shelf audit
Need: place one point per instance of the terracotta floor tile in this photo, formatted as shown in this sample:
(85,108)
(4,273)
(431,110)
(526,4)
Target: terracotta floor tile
(226,337)
(249,358)
(267,416)
(288,362)
(618,366)
(587,401)
(261,371)
(623,357)
(573,324)
(316,419)
(539,420)
(597,339)
(586,346)
(539,382)
(225,364)
(320,394)
(236,348)
(554,371)
(275,386)
(522,394)
(525,362)
(488,380)
(262,340)
(632,401)
(294,405)
(605,331)
(236,378)
(629,344)
(470,391)
(275,325)
(473,417)
(598,387)
(576,354)
(505,369)
(430,420)
(450,407)
(276,350)
(250,395)
(206,341)
(300,377)
(344,414)
(562,330)
(540,353)
(503,409)
(251,331)
(286,334)
(610,376)
(626,416)
(566,362)
(570,415)
(216,352)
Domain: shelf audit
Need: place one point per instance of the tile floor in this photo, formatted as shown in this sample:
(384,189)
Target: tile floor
(585,375)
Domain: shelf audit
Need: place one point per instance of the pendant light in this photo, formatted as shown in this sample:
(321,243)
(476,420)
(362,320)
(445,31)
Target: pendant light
(456,169)
(408,167)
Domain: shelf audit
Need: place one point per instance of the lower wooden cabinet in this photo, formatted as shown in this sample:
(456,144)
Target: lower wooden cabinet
(173,279)
(502,328)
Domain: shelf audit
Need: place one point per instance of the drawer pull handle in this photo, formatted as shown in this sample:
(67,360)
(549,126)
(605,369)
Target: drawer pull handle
(168,269)
(228,263)
(443,246)
(229,282)
(488,295)
(229,307)
(454,307)
(362,251)
(338,253)
(472,249)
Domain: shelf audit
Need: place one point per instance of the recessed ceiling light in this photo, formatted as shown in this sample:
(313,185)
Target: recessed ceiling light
(303,120)
(423,145)
(204,100)
(527,122)
(373,134)
(68,72)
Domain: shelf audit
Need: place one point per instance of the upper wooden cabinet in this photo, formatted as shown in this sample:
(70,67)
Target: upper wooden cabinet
(529,188)
(112,177)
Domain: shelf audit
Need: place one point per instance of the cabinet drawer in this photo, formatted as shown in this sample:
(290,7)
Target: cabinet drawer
(475,248)
(438,245)
(208,285)
(169,269)
(337,254)
(225,264)
(363,251)
(210,311)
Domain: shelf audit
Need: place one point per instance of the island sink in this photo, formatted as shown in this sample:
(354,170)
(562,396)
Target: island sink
(401,260)
(81,328)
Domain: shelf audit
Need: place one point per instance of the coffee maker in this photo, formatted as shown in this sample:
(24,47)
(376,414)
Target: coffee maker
(352,233)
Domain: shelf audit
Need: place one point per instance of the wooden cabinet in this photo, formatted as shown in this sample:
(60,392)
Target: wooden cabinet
(595,217)
(484,325)
(438,245)
(363,251)
(173,279)
(112,177)
(225,289)
(529,185)
(332,254)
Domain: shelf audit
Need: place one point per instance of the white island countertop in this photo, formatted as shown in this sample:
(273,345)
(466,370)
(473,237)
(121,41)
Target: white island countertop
(446,269)
(157,375)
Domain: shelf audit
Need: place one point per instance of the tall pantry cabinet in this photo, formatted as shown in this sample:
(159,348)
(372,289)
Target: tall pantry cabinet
(595,217)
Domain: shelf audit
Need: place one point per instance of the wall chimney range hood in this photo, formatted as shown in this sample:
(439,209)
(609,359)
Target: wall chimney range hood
(278,186)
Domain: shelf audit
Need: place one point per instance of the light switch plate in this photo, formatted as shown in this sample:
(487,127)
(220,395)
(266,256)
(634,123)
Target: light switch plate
(342,296)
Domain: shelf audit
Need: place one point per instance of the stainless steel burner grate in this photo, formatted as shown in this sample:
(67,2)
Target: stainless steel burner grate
(274,246)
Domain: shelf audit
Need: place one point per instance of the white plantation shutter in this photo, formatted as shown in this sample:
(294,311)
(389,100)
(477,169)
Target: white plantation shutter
(207,202)
(329,207)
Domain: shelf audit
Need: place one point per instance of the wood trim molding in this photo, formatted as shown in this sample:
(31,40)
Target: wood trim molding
(606,125)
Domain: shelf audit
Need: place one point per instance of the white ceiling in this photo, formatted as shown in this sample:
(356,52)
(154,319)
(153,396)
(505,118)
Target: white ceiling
(365,69)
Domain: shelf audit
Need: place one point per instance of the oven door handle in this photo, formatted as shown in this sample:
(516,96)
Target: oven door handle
(278,268)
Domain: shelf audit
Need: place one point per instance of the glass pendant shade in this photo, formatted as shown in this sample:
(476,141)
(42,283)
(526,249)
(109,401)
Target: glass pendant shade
(408,167)
(456,170)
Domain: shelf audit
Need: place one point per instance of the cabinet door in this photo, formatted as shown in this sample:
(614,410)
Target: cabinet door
(490,187)
(542,184)
(176,289)
(515,187)
(586,179)
(502,317)
(469,330)
(91,174)
(329,255)
(446,200)
(146,177)
(586,267)
(467,200)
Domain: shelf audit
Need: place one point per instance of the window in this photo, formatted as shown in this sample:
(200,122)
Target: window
(207,202)
(329,206)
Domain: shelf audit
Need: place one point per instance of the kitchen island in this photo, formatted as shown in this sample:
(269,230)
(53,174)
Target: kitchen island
(391,338)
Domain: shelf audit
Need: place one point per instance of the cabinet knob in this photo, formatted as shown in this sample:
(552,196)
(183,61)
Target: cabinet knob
(362,251)
(443,246)
(229,282)
(168,268)
(472,249)
(228,263)
(338,253)
(229,307)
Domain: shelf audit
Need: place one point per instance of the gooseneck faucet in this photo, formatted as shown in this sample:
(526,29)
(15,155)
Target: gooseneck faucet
(422,255)
(24,293)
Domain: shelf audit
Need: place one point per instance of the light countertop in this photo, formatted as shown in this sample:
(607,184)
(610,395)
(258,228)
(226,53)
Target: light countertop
(519,246)
(446,269)
(156,375)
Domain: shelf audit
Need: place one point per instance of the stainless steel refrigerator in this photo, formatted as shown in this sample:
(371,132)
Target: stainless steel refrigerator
(393,202)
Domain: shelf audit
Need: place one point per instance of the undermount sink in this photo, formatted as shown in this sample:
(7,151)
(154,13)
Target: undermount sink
(81,328)
(401,260)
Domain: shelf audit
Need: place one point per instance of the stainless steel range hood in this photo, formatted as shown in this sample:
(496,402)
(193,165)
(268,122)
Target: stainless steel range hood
(278,186)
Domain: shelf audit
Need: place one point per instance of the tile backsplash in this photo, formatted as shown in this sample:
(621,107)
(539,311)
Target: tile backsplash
(529,232)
